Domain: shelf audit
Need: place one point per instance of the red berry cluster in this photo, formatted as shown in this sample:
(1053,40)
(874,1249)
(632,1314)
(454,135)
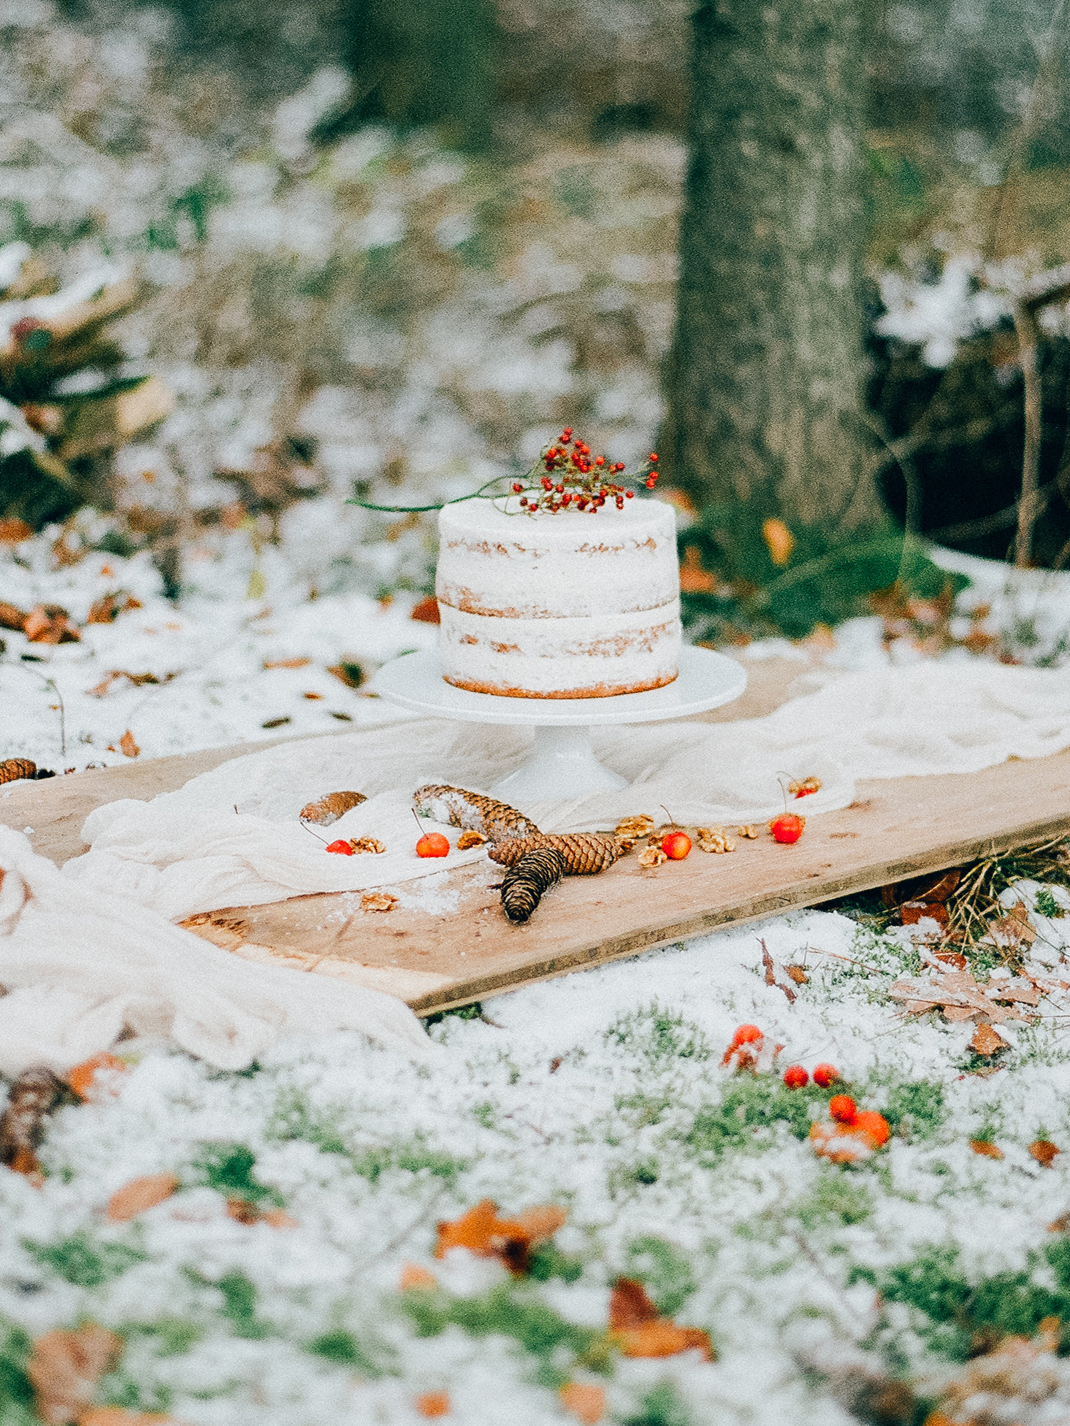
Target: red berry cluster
(566,474)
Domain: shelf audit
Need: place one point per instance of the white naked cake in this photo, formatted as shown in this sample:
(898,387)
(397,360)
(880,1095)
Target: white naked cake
(558,605)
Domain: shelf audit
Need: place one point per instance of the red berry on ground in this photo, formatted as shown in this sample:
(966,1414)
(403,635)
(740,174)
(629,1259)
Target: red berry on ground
(629,494)
(676,846)
(342,847)
(826,1075)
(872,1124)
(433,844)
(746,1034)
(654,457)
(795,1077)
(787,828)
(843,1109)
(650,482)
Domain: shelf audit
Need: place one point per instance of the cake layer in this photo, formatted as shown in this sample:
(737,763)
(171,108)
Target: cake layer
(505,563)
(593,657)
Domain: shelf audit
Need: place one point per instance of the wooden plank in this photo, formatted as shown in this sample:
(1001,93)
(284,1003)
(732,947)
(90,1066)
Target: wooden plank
(464,950)
(447,943)
(55,809)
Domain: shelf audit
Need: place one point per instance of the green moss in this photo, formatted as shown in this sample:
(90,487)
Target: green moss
(663,1270)
(16,1393)
(510,1310)
(172,1335)
(1047,905)
(750,1110)
(661,1407)
(916,1110)
(80,1261)
(343,1348)
(657,1034)
(547,1261)
(228,1168)
(835,1197)
(961,1312)
(412,1156)
(239,1305)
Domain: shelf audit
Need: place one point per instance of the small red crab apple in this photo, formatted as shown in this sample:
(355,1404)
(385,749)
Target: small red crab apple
(787,828)
(341,846)
(431,844)
(843,1109)
(825,1075)
(676,846)
(795,1077)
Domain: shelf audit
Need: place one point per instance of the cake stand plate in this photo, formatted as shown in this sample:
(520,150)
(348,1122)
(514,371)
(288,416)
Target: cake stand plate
(562,763)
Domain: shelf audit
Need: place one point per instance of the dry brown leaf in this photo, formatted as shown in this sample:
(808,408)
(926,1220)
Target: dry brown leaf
(426,611)
(378,901)
(416,1279)
(1044,1151)
(584,1400)
(510,1240)
(13,531)
(127,745)
(779,540)
(912,912)
(433,1403)
(775,974)
(82,1079)
(226,932)
(1012,930)
(987,1041)
(349,672)
(33,1096)
(652,856)
(139,1195)
(366,844)
(937,886)
(329,808)
(120,1416)
(312,697)
(798,975)
(640,1331)
(985,1149)
(287,663)
(470,839)
(49,624)
(952,990)
(12,617)
(64,1369)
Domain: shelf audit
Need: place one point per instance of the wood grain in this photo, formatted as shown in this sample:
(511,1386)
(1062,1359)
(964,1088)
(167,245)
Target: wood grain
(447,943)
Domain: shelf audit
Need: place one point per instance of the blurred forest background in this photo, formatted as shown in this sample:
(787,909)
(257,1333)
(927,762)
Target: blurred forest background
(257,258)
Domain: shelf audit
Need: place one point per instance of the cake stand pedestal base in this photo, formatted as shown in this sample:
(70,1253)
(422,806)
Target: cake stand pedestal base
(562,764)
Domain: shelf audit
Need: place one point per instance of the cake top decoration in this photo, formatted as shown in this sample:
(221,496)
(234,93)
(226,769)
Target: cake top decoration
(564,476)
(567,474)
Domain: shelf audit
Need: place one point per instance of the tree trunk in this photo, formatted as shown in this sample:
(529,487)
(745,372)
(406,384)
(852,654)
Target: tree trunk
(765,387)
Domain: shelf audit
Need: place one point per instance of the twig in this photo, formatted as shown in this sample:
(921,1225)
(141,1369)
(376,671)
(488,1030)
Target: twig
(1025,327)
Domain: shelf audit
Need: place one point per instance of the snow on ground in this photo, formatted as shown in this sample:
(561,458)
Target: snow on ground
(824,1286)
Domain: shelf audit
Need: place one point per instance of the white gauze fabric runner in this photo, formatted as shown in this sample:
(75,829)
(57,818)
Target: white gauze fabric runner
(99,929)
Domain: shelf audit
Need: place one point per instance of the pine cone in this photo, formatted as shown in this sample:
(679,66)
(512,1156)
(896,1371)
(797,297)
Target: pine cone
(14,768)
(533,873)
(584,852)
(34,1095)
(471,810)
(326,810)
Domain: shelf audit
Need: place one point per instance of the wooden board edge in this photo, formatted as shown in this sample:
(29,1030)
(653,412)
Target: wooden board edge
(808,893)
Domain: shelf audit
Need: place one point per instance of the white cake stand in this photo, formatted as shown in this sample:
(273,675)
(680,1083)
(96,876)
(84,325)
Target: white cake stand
(562,763)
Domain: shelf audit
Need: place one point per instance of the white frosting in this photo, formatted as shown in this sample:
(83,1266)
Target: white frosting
(547,566)
(558,605)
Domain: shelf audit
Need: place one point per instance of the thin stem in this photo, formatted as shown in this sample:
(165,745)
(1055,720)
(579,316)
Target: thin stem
(1025,326)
